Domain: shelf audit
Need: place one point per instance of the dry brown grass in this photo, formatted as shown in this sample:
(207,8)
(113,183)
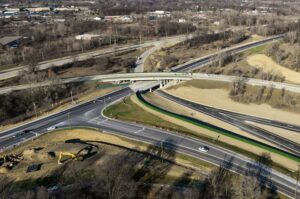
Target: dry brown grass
(268,64)
(290,164)
(216,97)
(55,142)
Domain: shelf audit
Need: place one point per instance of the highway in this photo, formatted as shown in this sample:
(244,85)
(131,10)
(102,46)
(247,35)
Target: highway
(206,60)
(88,114)
(239,120)
(157,76)
(159,45)
(9,73)
(186,67)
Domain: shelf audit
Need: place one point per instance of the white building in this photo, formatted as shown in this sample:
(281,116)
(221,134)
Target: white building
(159,14)
(86,37)
(181,20)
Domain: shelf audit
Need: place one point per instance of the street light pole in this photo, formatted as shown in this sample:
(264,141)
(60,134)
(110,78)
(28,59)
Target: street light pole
(72,97)
(34,107)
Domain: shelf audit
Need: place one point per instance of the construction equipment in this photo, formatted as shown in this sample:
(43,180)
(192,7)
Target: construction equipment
(9,161)
(62,154)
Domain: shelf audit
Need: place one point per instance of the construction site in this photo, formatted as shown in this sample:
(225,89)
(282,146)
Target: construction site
(77,157)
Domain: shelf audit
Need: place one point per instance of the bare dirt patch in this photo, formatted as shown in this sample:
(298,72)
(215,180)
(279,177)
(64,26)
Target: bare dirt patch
(55,142)
(268,64)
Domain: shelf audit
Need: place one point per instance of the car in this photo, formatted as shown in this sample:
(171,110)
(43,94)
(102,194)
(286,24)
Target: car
(204,149)
(27,131)
(51,128)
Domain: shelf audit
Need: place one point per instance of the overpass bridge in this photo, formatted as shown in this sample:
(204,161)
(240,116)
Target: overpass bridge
(156,79)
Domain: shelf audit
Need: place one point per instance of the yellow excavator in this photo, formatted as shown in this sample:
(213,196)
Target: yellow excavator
(63,154)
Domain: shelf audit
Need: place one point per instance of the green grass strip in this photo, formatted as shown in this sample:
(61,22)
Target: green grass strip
(218,130)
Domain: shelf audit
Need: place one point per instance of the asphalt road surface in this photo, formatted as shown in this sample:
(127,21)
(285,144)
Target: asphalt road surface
(13,72)
(198,63)
(240,121)
(89,114)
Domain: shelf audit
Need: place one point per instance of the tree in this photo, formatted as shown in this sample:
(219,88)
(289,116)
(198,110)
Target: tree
(115,179)
(219,183)
(238,87)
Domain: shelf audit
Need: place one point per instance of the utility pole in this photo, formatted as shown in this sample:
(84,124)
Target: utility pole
(162,150)
(72,97)
(34,107)
(296,190)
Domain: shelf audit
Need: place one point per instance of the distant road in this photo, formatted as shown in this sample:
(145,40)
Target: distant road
(6,74)
(168,43)
(156,77)
(191,65)
(206,60)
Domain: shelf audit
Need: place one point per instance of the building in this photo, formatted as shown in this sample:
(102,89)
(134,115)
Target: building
(10,42)
(158,14)
(38,9)
(87,37)
(97,19)
(67,9)
(8,13)
(118,19)
(181,20)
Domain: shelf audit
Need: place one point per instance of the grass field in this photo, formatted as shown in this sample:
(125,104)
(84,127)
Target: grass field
(129,111)
(257,50)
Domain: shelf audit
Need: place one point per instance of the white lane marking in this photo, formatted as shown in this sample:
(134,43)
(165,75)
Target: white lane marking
(97,120)
(138,131)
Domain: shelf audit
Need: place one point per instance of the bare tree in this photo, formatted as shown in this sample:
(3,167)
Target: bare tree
(115,179)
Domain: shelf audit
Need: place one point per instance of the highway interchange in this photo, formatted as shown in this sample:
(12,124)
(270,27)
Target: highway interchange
(240,121)
(89,114)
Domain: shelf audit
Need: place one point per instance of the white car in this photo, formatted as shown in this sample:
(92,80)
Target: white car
(204,149)
(51,128)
